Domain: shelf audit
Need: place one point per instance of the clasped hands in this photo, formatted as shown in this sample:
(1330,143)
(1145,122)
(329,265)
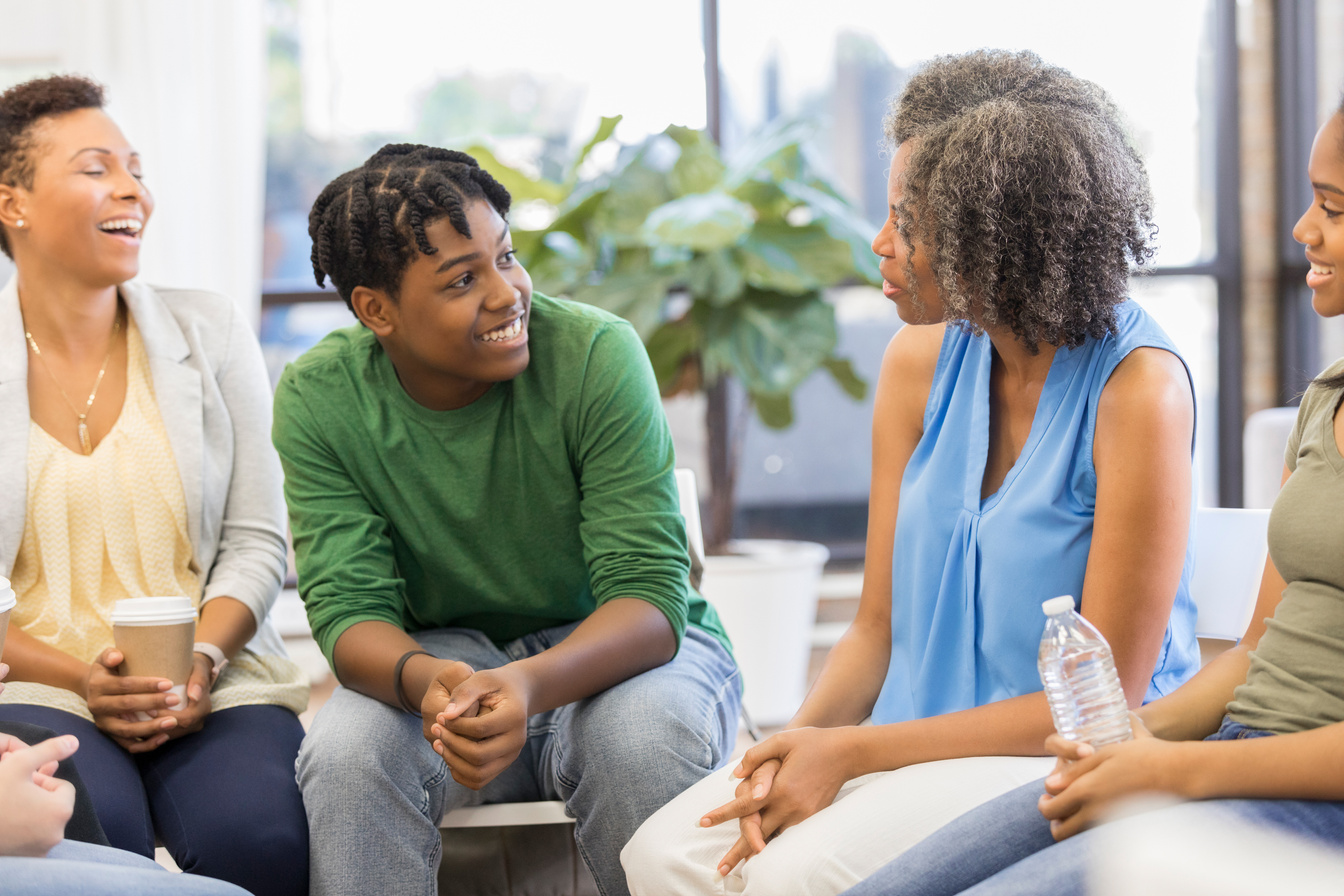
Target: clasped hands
(114,700)
(784,779)
(476,721)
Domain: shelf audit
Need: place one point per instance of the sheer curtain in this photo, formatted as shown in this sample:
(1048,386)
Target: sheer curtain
(187,83)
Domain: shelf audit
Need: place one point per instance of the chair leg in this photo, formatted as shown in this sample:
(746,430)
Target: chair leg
(750,725)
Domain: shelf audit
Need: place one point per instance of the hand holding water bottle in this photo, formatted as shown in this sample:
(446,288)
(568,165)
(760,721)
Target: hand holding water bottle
(1081,684)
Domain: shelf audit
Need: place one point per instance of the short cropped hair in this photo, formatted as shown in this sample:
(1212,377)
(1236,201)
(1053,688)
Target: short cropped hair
(21,108)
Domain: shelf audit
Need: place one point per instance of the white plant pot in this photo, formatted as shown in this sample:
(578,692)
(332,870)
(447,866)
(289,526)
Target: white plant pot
(765,592)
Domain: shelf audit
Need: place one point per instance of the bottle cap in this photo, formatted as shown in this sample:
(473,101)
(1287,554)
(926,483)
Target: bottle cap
(1057,605)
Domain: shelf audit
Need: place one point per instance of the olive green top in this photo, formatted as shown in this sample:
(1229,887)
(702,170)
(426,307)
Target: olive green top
(1296,680)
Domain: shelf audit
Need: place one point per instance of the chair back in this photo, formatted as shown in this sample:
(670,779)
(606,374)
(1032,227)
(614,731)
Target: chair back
(1230,549)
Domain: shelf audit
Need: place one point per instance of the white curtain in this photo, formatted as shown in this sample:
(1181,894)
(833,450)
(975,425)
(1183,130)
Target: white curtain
(186,81)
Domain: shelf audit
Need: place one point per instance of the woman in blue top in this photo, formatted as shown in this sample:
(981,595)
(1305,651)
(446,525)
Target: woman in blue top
(1031,437)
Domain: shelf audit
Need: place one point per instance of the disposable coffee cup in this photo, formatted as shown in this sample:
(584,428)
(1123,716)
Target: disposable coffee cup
(7,601)
(155,635)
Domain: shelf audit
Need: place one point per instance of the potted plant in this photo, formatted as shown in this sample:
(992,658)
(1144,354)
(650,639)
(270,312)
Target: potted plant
(721,265)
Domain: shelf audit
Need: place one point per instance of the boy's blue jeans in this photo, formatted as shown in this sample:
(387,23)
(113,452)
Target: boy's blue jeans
(375,790)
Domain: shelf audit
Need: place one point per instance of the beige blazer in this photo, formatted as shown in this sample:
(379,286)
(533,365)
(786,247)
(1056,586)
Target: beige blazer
(213,394)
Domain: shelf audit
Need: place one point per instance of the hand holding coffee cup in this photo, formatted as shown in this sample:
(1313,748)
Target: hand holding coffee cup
(153,654)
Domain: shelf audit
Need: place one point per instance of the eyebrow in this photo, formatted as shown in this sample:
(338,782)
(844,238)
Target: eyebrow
(1327,188)
(101,151)
(470,256)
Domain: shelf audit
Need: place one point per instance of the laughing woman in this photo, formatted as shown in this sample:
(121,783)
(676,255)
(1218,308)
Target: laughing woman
(144,468)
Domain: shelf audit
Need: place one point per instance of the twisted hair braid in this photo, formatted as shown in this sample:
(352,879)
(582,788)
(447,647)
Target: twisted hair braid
(368,224)
(1026,193)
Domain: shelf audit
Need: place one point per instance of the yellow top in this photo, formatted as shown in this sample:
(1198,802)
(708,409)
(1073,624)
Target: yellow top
(113,525)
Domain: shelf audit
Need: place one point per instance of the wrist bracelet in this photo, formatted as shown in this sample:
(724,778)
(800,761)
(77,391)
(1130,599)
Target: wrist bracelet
(396,680)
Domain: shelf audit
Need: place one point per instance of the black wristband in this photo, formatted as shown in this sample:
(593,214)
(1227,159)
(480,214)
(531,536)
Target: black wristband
(396,680)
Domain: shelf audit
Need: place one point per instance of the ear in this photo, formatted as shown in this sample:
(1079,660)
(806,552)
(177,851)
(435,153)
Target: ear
(13,202)
(375,309)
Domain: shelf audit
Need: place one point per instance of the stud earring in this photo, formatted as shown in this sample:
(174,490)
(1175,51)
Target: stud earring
(19,223)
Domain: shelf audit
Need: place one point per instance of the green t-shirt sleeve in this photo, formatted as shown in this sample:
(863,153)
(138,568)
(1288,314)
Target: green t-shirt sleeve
(634,537)
(342,546)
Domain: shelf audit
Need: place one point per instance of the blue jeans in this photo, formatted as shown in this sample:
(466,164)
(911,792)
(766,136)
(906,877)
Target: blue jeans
(90,870)
(375,790)
(223,800)
(1004,846)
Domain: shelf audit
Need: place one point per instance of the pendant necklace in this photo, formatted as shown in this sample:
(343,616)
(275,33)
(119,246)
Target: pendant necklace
(84,441)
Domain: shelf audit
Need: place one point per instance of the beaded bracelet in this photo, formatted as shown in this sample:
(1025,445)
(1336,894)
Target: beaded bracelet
(396,680)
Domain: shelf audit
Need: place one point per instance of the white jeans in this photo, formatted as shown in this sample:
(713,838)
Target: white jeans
(873,819)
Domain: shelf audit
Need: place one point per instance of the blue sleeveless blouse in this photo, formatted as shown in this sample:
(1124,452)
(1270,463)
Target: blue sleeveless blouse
(968,576)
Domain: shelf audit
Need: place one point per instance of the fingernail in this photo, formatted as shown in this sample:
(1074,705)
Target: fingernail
(724,869)
(70,742)
(165,685)
(706,823)
(1052,780)
(758,792)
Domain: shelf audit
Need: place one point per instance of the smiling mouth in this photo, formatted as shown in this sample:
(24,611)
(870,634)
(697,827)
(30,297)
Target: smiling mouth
(504,333)
(1319,274)
(122,226)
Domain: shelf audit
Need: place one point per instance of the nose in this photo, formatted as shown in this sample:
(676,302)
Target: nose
(1304,231)
(503,293)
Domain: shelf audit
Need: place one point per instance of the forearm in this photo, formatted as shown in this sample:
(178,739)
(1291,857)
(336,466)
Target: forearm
(1017,726)
(366,656)
(31,660)
(1196,709)
(227,623)
(621,639)
(850,679)
(1302,766)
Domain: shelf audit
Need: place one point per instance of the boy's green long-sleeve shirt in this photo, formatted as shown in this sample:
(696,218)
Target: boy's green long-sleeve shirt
(530,507)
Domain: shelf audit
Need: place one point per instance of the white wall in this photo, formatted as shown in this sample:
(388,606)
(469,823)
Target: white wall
(186,81)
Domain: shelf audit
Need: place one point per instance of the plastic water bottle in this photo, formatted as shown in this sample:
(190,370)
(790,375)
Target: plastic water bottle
(1080,680)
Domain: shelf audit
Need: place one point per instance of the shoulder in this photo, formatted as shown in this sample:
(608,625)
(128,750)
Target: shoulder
(909,365)
(572,337)
(1145,370)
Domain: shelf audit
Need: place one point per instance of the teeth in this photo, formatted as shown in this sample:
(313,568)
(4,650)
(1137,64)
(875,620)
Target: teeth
(130,225)
(508,332)
(1321,269)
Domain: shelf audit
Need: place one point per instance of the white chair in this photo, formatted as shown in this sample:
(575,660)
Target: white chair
(553,811)
(1263,440)
(1230,549)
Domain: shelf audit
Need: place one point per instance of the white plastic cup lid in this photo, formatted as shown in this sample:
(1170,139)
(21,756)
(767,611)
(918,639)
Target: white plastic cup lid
(153,611)
(7,598)
(1057,605)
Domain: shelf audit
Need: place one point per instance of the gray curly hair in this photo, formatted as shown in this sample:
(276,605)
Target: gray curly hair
(1025,192)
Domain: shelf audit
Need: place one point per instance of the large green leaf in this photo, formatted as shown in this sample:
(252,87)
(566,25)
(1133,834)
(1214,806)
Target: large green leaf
(668,347)
(604,131)
(556,262)
(842,371)
(703,222)
(715,277)
(520,186)
(636,295)
(775,411)
(769,342)
(842,222)
(774,153)
(793,260)
(699,169)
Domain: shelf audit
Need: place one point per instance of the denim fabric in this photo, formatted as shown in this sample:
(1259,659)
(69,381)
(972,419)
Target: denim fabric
(1004,847)
(375,790)
(223,800)
(91,870)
